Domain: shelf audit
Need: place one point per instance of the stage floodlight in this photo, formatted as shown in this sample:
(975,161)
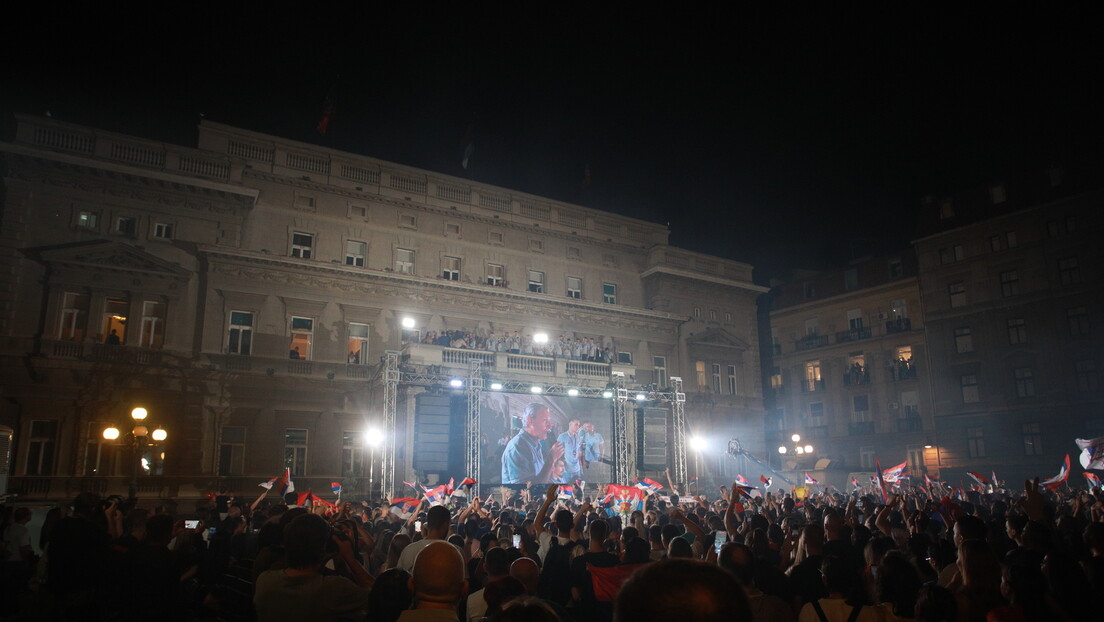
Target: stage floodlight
(535,389)
(640,397)
(496,386)
(540,338)
(607,394)
(456,383)
(408,322)
(572,392)
(698,443)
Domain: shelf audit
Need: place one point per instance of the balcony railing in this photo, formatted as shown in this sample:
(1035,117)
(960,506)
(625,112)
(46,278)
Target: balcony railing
(428,354)
(860,427)
(899,325)
(904,370)
(910,424)
(812,386)
(855,334)
(856,376)
(808,342)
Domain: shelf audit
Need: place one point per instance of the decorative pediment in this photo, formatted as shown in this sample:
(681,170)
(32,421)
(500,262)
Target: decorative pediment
(107,255)
(719,338)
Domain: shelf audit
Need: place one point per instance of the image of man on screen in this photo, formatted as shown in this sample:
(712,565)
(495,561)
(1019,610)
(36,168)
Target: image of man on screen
(592,443)
(572,444)
(524,459)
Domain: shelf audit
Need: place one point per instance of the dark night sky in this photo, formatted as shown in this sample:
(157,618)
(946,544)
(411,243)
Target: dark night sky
(782,140)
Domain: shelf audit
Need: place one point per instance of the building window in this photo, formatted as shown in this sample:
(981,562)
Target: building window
(659,367)
(855,320)
(1017,331)
(697,313)
(728,316)
(969,385)
(408,221)
(964,340)
(624,358)
(304,203)
(813,381)
(74,316)
(1025,382)
(163,230)
(494,238)
(716,369)
(535,245)
(302,245)
(352,454)
(99,456)
(1068,271)
(995,243)
(126,225)
(957,292)
(404,260)
(450,268)
(536,282)
(816,411)
(1032,439)
(1010,283)
(975,442)
(302,336)
(699,372)
(609,293)
(41,448)
(115,321)
(910,404)
(574,287)
(1078,318)
(232,451)
(452,229)
(573,252)
(241,333)
(713,315)
(861,405)
(896,269)
(358,211)
(951,254)
(153,324)
(358,344)
(1086,374)
(812,326)
(866,459)
(732,379)
(295,451)
(496,275)
(88,220)
(355,252)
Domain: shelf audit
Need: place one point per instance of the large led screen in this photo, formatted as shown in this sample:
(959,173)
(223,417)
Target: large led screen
(544,439)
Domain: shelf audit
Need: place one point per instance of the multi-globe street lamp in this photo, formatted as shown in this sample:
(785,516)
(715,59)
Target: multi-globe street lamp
(139,436)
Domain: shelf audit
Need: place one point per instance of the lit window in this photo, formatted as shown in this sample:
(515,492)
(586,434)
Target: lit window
(404,261)
(241,333)
(358,344)
(115,321)
(450,268)
(813,381)
(574,287)
(609,293)
(536,282)
(699,371)
(355,253)
(496,275)
(295,451)
(88,220)
(302,245)
(302,337)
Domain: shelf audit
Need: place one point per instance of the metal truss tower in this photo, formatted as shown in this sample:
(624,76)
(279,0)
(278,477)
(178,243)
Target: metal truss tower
(623,457)
(475,386)
(678,424)
(390,406)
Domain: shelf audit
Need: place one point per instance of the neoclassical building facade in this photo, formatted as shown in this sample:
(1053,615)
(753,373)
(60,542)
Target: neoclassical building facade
(244,291)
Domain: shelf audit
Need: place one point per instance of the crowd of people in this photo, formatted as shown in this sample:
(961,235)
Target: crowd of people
(919,555)
(577,349)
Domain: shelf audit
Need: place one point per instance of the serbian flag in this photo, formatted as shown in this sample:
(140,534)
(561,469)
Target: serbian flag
(311,498)
(1092,479)
(741,480)
(809,481)
(1092,452)
(892,474)
(766,481)
(469,482)
(744,491)
(451,487)
(978,477)
(269,484)
(606,500)
(436,496)
(336,488)
(284,485)
(931,482)
(1063,474)
(630,495)
(566,492)
(649,486)
(403,506)
(854,481)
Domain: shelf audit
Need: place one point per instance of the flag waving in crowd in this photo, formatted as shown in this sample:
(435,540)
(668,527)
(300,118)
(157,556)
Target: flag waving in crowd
(766,481)
(809,481)
(895,473)
(1063,475)
(979,478)
(1092,479)
(1092,453)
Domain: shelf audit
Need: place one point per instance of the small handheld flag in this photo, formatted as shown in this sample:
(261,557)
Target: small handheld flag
(336,488)
(809,481)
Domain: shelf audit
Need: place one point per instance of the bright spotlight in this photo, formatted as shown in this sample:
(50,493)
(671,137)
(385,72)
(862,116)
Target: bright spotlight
(408,322)
(496,386)
(698,443)
(781,449)
(573,392)
(808,449)
(535,389)
(795,438)
(607,394)
(456,383)
(540,338)
(373,437)
(111,433)
(640,397)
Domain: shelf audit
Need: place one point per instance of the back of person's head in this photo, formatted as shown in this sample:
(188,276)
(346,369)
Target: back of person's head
(970,527)
(979,566)
(628,533)
(526,609)
(669,532)
(898,582)
(935,604)
(438,575)
(739,560)
(159,529)
(839,576)
(637,551)
(501,590)
(305,540)
(813,536)
(680,547)
(599,530)
(87,504)
(456,539)
(681,589)
(877,548)
(390,595)
(655,534)
(528,572)
(495,562)
(564,521)
(437,518)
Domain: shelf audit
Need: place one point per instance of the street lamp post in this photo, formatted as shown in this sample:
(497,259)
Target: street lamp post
(131,440)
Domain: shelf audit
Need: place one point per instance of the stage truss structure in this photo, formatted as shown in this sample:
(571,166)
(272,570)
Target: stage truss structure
(616,390)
